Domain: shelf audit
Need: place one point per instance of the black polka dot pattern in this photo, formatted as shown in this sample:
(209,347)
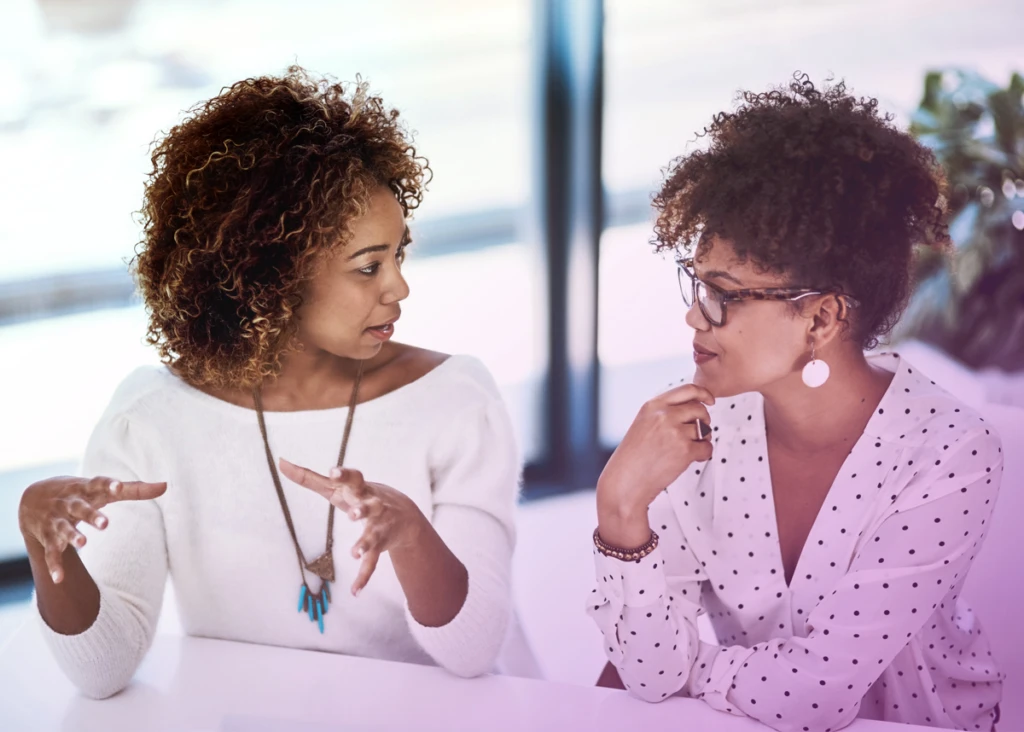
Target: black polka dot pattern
(872,619)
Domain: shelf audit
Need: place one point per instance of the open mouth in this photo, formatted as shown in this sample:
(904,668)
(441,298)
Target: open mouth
(384,331)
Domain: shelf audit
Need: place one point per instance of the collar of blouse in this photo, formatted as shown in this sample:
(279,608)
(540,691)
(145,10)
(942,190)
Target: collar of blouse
(907,413)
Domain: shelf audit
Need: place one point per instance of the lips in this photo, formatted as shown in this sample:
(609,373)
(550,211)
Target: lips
(385,325)
(384,331)
(703,351)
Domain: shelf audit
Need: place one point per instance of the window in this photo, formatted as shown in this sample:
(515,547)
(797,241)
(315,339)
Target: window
(91,84)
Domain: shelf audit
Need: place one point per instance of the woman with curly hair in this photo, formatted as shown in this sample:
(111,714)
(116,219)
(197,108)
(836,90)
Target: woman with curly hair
(820,505)
(271,268)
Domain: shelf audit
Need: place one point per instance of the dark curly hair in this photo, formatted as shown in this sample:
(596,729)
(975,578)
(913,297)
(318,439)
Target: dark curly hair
(245,197)
(817,186)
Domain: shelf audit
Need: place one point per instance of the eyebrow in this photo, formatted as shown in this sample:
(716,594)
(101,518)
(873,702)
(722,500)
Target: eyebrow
(717,274)
(370,250)
(406,240)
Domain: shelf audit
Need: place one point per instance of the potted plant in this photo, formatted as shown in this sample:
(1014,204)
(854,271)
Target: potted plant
(971,304)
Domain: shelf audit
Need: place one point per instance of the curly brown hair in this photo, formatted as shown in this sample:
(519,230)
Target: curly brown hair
(817,186)
(245,198)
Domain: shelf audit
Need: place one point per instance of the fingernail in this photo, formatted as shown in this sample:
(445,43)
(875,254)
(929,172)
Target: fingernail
(55,576)
(101,523)
(285,462)
(355,592)
(79,541)
(335,472)
(115,486)
(354,514)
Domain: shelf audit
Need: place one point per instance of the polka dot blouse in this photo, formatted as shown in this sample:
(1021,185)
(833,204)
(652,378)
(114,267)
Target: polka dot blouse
(871,624)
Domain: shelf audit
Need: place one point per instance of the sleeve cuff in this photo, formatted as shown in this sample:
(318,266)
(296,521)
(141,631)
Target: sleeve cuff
(714,671)
(634,583)
(101,660)
(470,643)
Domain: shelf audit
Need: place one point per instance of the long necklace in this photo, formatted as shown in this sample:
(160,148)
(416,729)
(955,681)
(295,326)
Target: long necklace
(315,605)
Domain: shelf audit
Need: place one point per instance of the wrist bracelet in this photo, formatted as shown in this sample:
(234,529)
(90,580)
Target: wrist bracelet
(626,554)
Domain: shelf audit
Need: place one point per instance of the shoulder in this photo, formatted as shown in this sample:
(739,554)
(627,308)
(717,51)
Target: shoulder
(463,383)
(123,438)
(139,393)
(460,376)
(414,360)
(921,414)
(468,415)
(465,398)
(949,443)
(439,386)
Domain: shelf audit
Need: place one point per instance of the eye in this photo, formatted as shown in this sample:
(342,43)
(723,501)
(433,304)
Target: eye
(371,269)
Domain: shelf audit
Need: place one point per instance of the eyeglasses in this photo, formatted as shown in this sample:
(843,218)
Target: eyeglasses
(713,300)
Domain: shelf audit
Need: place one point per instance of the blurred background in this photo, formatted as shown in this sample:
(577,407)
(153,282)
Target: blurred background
(547,124)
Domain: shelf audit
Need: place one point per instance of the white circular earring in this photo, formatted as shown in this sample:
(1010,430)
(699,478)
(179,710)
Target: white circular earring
(816,372)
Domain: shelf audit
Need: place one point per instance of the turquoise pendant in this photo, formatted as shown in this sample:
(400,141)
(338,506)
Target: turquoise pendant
(315,605)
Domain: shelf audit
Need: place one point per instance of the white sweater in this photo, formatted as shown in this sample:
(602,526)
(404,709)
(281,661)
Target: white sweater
(445,440)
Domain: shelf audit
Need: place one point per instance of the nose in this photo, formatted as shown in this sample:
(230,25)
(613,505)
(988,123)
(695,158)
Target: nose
(695,318)
(396,289)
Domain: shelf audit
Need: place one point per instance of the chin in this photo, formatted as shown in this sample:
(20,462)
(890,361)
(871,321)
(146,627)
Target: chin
(360,351)
(369,351)
(719,387)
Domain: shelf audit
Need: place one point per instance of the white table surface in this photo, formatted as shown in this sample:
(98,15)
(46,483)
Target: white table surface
(190,684)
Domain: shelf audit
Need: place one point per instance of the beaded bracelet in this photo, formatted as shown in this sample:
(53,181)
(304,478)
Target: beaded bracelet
(626,554)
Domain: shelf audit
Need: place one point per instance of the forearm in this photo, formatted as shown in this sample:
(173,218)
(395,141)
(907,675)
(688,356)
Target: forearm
(653,646)
(71,607)
(621,523)
(433,579)
(648,616)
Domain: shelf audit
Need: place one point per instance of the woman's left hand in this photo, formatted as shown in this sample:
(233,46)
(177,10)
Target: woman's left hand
(392,519)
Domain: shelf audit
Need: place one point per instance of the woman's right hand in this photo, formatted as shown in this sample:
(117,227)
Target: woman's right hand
(659,445)
(51,509)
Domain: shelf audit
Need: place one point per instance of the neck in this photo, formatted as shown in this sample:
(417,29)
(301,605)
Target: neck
(803,420)
(311,379)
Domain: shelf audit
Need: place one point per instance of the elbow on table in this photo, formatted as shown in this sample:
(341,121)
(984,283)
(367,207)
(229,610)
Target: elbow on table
(103,675)
(473,642)
(835,716)
(481,655)
(101,686)
(653,689)
(833,722)
(470,668)
(651,695)
(101,661)
(477,656)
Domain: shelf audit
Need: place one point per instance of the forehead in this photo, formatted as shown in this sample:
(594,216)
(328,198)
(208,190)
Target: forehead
(383,214)
(718,255)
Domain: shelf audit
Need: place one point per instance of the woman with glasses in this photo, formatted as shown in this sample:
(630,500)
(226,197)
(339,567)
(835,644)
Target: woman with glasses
(821,505)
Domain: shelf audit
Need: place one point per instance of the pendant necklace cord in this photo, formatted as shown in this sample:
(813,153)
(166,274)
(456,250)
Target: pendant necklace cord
(258,401)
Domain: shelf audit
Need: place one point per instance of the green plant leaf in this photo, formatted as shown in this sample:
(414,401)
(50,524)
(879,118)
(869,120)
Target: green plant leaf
(973,306)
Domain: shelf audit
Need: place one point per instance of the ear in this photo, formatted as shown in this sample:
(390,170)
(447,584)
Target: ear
(825,315)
